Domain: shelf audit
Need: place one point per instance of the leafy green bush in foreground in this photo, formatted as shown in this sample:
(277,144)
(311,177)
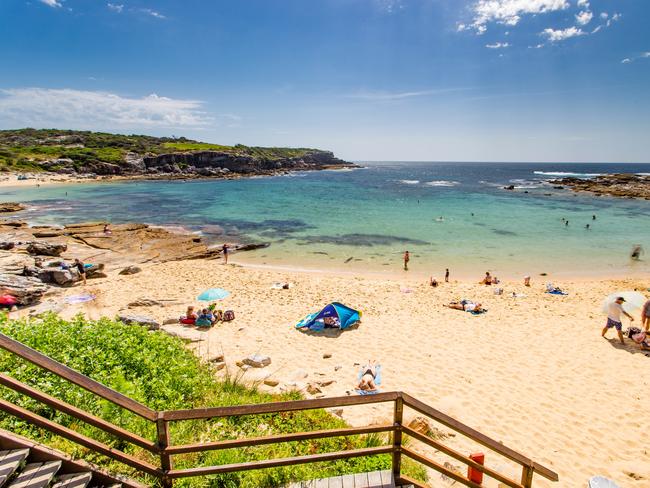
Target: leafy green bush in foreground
(158,371)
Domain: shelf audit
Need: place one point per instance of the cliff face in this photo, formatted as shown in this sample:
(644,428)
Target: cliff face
(215,162)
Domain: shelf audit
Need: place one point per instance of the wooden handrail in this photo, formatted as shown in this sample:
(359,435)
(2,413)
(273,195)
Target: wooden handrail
(90,419)
(277,439)
(277,407)
(80,439)
(165,449)
(49,364)
(274,463)
(477,436)
(459,457)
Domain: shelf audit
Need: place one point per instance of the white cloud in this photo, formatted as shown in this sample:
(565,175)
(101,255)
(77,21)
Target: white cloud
(597,29)
(509,12)
(626,61)
(498,45)
(45,107)
(153,13)
(583,3)
(390,6)
(52,3)
(604,15)
(584,17)
(554,35)
(645,54)
(115,7)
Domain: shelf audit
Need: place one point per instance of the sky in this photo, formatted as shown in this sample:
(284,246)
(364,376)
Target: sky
(396,80)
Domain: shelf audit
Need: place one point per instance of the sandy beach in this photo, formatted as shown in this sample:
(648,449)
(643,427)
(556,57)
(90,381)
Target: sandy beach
(533,372)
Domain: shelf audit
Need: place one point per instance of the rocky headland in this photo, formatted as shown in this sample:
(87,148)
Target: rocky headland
(82,154)
(616,185)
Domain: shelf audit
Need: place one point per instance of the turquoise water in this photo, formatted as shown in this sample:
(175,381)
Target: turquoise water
(322,219)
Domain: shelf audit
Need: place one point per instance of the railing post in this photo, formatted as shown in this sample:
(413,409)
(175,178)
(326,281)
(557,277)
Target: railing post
(527,476)
(163,442)
(397,438)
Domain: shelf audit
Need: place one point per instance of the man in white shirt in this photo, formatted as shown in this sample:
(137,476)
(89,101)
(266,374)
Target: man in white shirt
(614,311)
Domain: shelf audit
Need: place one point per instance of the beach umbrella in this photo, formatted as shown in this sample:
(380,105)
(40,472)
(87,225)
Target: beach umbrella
(633,300)
(213,294)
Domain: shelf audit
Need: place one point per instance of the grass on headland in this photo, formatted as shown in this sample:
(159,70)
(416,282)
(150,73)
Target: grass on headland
(160,372)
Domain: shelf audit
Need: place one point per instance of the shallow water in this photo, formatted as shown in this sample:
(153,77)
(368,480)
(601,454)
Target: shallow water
(448,215)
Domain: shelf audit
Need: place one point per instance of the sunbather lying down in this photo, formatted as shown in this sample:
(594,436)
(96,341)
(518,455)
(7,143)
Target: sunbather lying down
(368,376)
(466,306)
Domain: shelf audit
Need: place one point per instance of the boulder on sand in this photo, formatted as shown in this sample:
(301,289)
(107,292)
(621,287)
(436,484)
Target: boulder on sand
(141,320)
(257,361)
(46,248)
(26,289)
(129,270)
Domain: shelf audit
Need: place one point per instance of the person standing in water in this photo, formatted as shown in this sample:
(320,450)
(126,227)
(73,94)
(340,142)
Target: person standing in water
(637,251)
(407,258)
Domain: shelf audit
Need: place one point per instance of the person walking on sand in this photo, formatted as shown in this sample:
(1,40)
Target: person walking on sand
(224,250)
(407,258)
(81,268)
(614,311)
(447,275)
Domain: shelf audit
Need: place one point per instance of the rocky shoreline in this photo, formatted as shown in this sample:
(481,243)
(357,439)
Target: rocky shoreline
(36,260)
(616,185)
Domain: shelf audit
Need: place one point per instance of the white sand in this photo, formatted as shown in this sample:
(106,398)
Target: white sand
(533,372)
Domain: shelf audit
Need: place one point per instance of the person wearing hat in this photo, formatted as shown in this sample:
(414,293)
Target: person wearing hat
(614,311)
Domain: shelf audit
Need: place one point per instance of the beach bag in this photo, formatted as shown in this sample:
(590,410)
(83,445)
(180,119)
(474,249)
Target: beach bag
(228,315)
(632,331)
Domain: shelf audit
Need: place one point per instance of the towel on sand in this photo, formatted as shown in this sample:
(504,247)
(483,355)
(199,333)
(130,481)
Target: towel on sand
(377,380)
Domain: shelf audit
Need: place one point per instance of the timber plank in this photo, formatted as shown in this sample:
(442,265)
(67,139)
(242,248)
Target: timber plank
(336,482)
(10,462)
(347,481)
(36,475)
(361,480)
(74,480)
(374,480)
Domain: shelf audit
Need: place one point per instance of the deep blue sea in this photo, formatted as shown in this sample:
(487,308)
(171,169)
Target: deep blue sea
(454,215)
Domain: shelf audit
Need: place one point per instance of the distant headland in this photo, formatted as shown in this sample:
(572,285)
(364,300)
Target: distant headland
(97,154)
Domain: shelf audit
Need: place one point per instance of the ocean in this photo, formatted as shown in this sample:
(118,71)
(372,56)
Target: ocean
(448,215)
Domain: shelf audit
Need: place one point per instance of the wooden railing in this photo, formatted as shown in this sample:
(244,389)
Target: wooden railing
(163,449)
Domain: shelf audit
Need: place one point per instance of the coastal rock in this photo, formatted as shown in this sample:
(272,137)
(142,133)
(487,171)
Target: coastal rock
(7,207)
(257,361)
(251,247)
(26,289)
(421,425)
(271,382)
(327,355)
(46,248)
(130,270)
(617,185)
(63,277)
(140,320)
(313,389)
(6,246)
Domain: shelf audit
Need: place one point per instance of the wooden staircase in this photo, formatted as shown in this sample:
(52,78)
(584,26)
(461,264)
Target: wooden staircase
(26,464)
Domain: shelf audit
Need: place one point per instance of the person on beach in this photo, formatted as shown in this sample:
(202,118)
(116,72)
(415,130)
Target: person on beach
(81,268)
(645,316)
(407,258)
(526,280)
(433,282)
(367,381)
(107,230)
(465,306)
(487,280)
(224,249)
(614,312)
(637,251)
(190,316)
(447,275)
(205,318)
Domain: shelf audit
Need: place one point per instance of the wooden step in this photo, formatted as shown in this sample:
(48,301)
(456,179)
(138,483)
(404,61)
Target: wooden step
(74,480)
(36,475)
(10,461)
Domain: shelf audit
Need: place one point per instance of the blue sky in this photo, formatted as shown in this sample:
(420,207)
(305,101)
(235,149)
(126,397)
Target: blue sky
(449,80)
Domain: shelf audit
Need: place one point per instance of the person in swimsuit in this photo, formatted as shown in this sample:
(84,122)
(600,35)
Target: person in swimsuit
(224,250)
(81,268)
(487,280)
(447,275)
(465,306)
(367,382)
(407,258)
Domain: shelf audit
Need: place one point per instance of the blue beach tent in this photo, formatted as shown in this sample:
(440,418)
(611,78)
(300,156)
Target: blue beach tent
(345,317)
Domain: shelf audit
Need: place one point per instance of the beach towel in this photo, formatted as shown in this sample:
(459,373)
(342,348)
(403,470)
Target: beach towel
(281,286)
(557,292)
(79,298)
(377,381)
(477,312)
(602,482)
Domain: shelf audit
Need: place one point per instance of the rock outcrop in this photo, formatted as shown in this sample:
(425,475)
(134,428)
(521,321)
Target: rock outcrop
(46,248)
(26,289)
(617,185)
(8,207)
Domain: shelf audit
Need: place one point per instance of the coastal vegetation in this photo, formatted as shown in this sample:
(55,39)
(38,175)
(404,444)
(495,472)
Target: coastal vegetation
(160,372)
(55,149)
